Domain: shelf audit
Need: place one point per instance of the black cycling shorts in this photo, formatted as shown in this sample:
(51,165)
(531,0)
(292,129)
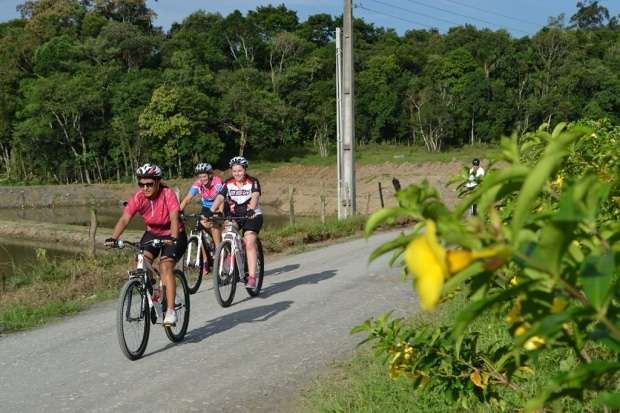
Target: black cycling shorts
(254,224)
(172,251)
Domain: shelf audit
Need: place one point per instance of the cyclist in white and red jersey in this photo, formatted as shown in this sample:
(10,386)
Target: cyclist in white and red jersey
(159,208)
(240,197)
(208,186)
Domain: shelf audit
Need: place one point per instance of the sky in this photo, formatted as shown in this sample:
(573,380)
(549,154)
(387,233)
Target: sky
(519,17)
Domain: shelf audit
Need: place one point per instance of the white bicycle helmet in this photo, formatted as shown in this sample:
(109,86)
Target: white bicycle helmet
(238,160)
(149,170)
(203,168)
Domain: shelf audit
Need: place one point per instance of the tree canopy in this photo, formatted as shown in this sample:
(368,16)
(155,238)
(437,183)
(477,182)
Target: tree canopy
(89,89)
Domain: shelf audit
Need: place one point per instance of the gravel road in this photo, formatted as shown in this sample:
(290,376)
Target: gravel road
(250,357)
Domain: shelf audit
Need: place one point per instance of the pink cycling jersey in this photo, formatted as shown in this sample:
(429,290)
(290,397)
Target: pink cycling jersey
(155,212)
(207,193)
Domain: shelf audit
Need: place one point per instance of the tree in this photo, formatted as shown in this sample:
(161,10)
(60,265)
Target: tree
(590,15)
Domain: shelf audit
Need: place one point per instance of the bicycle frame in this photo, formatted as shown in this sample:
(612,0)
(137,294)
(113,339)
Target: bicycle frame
(143,269)
(231,233)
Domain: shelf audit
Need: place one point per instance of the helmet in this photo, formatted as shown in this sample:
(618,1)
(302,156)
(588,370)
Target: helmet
(149,170)
(203,168)
(476,162)
(238,160)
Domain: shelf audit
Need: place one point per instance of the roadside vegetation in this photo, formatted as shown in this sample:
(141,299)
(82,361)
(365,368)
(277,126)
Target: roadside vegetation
(527,292)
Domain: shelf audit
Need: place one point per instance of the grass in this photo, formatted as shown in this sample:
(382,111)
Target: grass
(362,384)
(371,154)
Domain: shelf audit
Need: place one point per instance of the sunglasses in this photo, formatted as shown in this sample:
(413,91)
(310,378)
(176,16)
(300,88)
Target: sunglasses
(146,184)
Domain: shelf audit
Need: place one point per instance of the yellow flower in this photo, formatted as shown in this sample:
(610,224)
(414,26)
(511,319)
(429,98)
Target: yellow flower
(558,305)
(515,313)
(533,343)
(426,260)
(522,329)
(431,264)
(479,380)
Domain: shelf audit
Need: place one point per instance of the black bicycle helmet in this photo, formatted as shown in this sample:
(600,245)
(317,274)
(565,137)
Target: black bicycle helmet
(238,160)
(476,162)
(203,168)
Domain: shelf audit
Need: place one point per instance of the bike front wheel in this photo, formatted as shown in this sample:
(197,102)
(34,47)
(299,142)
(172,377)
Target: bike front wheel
(181,306)
(224,274)
(193,264)
(260,270)
(132,322)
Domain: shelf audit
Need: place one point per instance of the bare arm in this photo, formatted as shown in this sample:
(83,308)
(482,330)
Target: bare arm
(254,200)
(186,200)
(121,224)
(217,204)
(174,223)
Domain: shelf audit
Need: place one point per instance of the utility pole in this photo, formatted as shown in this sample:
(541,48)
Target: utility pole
(348,139)
(341,209)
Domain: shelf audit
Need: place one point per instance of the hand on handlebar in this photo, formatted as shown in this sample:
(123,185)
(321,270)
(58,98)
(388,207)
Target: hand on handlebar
(250,213)
(110,242)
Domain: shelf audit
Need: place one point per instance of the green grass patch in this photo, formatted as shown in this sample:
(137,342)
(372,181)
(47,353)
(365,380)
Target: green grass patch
(23,316)
(372,154)
(362,384)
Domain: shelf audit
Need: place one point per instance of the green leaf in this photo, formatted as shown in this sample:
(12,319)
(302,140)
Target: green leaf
(462,276)
(611,400)
(381,216)
(596,278)
(400,242)
(573,383)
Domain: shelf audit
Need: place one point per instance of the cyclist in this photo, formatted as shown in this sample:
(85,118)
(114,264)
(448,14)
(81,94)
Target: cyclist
(208,186)
(159,208)
(476,173)
(240,198)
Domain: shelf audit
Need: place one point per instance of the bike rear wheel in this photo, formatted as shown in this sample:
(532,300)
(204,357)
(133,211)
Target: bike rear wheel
(193,264)
(132,323)
(181,305)
(260,270)
(224,274)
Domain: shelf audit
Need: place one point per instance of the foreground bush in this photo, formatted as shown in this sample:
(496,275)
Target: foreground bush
(542,257)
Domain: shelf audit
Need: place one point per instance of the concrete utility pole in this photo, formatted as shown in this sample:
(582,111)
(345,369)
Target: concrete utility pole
(348,141)
(341,209)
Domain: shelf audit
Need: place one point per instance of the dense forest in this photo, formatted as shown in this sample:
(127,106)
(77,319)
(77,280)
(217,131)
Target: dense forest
(91,88)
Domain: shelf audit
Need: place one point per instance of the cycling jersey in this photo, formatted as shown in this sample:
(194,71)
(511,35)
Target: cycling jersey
(474,177)
(238,196)
(155,212)
(207,192)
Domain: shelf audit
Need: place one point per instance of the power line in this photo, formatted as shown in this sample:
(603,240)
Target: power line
(492,12)
(463,15)
(361,6)
(417,13)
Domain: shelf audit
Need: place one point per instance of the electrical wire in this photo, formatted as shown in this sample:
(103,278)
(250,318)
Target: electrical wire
(493,13)
(417,13)
(361,6)
(463,15)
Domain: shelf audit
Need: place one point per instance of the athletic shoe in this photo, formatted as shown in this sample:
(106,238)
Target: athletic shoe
(251,282)
(171,318)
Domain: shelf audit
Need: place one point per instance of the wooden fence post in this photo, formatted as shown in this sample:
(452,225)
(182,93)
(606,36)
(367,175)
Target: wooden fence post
(323,207)
(381,195)
(92,232)
(291,204)
(368,204)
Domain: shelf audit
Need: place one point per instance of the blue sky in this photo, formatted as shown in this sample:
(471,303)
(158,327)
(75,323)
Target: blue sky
(520,17)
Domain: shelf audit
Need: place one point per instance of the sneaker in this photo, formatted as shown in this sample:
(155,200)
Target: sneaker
(205,270)
(251,282)
(171,318)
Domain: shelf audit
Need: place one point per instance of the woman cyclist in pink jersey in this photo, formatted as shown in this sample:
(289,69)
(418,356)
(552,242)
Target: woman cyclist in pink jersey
(208,186)
(159,208)
(239,196)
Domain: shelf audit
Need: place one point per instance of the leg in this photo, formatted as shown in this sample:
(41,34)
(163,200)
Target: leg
(166,266)
(250,252)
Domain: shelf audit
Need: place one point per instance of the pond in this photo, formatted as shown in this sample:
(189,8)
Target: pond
(14,254)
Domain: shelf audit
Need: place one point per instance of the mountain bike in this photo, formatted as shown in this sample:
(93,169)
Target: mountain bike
(230,262)
(199,244)
(139,304)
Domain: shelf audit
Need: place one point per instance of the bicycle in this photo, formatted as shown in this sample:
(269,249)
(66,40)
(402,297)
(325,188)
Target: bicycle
(230,261)
(138,306)
(199,244)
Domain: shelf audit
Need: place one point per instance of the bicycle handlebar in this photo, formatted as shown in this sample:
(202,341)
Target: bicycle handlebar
(121,243)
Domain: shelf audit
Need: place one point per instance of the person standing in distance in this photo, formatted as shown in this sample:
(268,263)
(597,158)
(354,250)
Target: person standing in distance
(476,173)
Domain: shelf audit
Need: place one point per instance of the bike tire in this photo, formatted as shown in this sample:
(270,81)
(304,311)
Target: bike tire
(193,269)
(181,304)
(133,320)
(260,264)
(224,282)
